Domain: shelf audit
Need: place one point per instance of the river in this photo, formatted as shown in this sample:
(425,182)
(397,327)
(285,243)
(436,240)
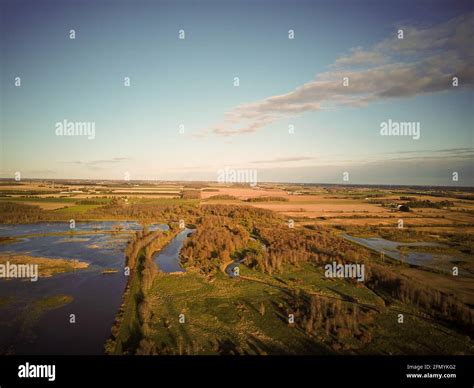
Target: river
(168,259)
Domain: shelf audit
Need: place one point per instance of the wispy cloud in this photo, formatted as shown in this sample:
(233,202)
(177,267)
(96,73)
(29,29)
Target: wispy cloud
(462,150)
(452,153)
(282,160)
(100,162)
(360,57)
(423,62)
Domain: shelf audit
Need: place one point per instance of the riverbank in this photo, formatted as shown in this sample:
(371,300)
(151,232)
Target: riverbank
(126,332)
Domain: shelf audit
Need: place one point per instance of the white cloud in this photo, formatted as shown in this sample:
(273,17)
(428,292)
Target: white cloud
(423,62)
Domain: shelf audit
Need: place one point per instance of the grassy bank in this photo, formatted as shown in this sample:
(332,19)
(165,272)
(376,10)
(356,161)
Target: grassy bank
(46,266)
(127,331)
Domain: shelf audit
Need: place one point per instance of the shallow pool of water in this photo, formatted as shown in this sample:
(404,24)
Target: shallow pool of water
(437,261)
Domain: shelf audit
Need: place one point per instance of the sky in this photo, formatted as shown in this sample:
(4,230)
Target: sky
(184,118)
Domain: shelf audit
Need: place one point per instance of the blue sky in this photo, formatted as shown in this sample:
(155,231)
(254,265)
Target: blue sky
(282,82)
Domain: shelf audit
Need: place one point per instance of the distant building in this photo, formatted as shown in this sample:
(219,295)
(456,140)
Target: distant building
(403,208)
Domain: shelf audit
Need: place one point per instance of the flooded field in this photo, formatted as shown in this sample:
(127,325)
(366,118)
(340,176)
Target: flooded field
(35,317)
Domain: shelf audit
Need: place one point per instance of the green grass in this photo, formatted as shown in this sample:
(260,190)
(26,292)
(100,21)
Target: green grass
(130,332)
(165,201)
(227,311)
(222,317)
(76,209)
(311,279)
(39,199)
(415,335)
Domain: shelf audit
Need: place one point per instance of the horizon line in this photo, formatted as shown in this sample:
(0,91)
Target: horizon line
(237,183)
